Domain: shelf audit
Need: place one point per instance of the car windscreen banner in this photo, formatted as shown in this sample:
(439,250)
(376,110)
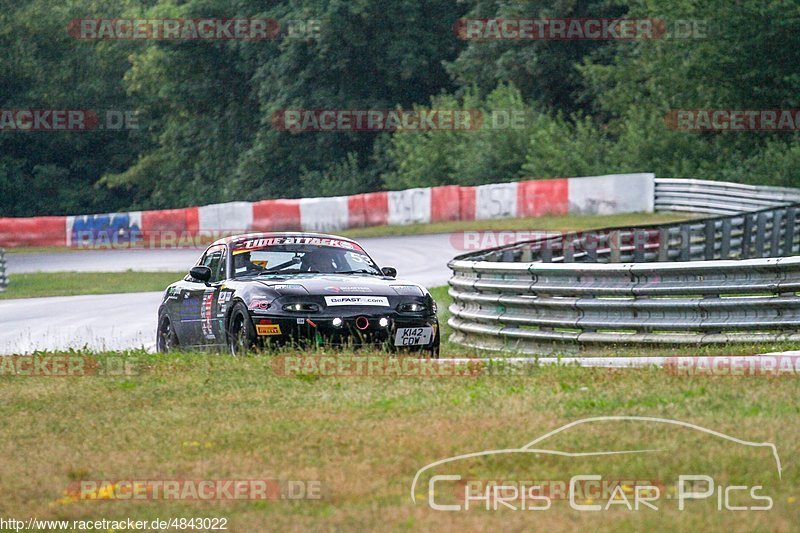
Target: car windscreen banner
(266,242)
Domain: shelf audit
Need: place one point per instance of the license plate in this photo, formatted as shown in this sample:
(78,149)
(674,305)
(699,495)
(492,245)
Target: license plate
(413,336)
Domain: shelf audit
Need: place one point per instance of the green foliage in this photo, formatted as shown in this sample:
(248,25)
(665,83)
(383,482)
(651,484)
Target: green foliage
(205,107)
(494,152)
(776,164)
(545,71)
(558,147)
(340,178)
(615,122)
(215,139)
(42,67)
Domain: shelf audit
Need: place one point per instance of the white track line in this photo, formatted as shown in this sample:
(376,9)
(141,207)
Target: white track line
(778,363)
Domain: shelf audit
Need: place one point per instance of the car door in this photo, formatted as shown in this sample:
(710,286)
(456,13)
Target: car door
(197,301)
(216,304)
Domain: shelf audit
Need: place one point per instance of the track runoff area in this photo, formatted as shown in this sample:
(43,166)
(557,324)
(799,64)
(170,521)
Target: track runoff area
(506,200)
(768,364)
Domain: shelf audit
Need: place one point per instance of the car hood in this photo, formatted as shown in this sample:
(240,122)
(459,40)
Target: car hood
(333,284)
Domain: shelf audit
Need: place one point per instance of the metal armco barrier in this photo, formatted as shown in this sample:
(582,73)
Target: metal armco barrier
(718,197)
(3,277)
(771,232)
(717,280)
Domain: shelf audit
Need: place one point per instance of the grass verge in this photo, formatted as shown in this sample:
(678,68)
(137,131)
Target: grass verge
(211,417)
(41,284)
(548,223)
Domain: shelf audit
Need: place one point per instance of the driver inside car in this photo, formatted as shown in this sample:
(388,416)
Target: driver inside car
(318,261)
(242,263)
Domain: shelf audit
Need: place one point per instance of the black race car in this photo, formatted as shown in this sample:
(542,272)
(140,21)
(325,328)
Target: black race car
(301,289)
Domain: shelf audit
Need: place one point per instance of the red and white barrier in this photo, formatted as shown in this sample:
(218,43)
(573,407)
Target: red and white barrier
(231,218)
(445,203)
(615,193)
(412,206)
(498,200)
(324,214)
(543,197)
(34,231)
(160,227)
(276,215)
(466,208)
(370,209)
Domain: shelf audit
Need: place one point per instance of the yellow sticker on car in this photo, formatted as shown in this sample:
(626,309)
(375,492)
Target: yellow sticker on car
(268,329)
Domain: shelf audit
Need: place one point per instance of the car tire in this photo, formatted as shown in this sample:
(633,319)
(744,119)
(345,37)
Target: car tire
(166,338)
(241,333)
(433,351)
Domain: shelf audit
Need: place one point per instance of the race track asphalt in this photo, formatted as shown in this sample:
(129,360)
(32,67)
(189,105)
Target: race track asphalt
(128,321)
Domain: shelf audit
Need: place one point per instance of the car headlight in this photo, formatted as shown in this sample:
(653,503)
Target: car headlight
(412,307)
(301,308)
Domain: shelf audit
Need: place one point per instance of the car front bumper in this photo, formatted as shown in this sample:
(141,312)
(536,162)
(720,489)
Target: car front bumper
(346,330)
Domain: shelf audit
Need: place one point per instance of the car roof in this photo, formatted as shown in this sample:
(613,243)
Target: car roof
(265,235)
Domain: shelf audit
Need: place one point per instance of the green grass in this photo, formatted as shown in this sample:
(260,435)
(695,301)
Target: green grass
(207,416)
(197,416)
(35,249)
(549,223)
(41,284)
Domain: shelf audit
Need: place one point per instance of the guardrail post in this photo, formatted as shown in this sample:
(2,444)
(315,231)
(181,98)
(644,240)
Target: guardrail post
(788,242)
(614,245)
(725,241)
(590,246)
(568,249)
(761,230)
(686,241)
(710,233)
(639,241)
(774,248)
(747,230)
(3,277)
(663,244)
(546,255)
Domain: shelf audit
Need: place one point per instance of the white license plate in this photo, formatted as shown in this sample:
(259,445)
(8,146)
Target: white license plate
(413,336)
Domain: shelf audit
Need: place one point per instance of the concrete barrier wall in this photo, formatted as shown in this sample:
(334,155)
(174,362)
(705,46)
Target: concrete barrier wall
(614,193)
(412,206)
(617,193)
(324,214)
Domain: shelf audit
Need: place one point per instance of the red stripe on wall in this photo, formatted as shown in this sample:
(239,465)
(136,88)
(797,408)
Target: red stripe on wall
(543,197)
(276,215)
(445,203)
(34,231)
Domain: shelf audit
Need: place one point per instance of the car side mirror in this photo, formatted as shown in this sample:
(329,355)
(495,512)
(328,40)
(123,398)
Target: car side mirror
(201,273)
(390,272)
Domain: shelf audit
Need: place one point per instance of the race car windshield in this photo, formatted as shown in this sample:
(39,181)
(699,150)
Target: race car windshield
(291,258)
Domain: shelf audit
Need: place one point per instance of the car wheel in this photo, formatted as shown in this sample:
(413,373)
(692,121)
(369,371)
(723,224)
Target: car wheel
(241,332)
(166,339)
